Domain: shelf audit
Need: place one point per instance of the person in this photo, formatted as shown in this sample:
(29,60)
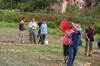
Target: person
(43,32)
(75,37)
(66,43)
(99,44)
(80,41)
(90,32)
(32,26)
(39,24)
(21,29)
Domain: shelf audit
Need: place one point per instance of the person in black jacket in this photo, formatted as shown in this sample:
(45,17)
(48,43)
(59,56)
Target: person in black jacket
(39,24)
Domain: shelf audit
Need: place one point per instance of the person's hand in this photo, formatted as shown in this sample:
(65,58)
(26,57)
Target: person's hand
(71,42)
(88,39)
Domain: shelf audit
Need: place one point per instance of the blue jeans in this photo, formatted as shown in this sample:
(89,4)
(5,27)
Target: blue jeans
(72,54)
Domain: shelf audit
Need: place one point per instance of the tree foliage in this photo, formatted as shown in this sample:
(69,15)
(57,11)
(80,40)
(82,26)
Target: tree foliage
(29,5)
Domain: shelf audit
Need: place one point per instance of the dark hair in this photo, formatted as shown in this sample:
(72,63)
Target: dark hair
(22,18)
(79,22)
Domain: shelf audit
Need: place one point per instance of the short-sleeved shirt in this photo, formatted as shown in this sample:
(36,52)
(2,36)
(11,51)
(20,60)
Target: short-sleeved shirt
(90,33)
(32,25)
(44,29)
(67,38)
(75,39)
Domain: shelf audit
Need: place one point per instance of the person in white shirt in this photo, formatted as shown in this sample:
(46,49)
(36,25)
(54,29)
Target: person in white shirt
(32,26)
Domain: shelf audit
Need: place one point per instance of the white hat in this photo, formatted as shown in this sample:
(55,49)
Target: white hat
(77,27)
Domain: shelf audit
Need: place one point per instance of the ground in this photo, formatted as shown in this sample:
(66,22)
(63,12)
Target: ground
(14,54)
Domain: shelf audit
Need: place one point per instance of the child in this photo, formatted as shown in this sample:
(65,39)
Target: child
(75,43)
(21,29)
(66,43)
(89,40)
(39,24)
(32,26)
(43,32)
(80,42)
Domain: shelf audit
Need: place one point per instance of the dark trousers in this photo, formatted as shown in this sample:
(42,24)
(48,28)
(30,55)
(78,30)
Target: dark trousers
(32,36)
(42,38)
(72,55)
(38,33)
(65,50)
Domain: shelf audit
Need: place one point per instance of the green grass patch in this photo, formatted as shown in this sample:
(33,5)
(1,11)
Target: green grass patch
(4,24)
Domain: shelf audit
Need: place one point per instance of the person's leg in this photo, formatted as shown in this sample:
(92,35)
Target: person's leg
(74,55)
(86,47)
(21,36)
(30,35)
(34,37)
(90,47)
(43,38)
(38,34)
(80,43)
(66,53)
(70,59)
(20,39)
(40,39)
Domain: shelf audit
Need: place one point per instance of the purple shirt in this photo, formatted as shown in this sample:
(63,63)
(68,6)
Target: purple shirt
(90,33)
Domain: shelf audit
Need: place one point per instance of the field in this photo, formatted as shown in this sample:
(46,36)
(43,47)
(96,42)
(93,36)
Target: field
(14,54)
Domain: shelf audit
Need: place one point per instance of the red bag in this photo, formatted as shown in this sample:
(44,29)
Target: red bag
(64,25)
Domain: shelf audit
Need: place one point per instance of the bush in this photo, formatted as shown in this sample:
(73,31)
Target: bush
(9,16)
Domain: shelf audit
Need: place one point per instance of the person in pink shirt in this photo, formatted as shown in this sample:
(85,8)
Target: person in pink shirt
(66,43)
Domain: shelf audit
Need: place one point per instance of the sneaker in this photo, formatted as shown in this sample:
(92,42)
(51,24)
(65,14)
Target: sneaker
(90,55)
(86,54)
(64,61)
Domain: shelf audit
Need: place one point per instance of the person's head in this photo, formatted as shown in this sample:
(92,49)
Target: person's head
(44,20)
(80,23)
(91,26)
(64,19)
(33,18)
(76,27)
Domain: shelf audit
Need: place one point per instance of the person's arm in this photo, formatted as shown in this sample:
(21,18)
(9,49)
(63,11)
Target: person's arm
(29,25)
(86,34)
(94,31)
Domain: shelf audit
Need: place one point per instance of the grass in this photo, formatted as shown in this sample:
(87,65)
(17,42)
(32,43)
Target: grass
(28,55)
(14,25)
(13,54)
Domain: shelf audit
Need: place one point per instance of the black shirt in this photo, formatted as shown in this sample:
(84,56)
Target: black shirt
(39,24)
(90,33)
(21,26)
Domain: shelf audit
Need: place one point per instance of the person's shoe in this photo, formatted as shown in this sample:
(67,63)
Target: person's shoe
(90,55)
(86,54)
(64,61)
